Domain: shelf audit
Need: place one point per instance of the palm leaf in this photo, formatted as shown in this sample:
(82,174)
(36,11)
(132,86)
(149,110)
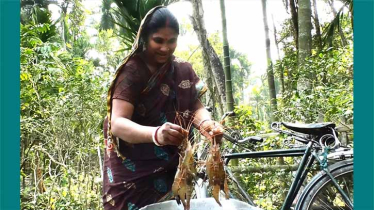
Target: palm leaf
(128,15)
(105,22)
(329,32)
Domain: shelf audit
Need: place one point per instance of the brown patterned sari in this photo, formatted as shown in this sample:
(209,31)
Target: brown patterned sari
(136,175)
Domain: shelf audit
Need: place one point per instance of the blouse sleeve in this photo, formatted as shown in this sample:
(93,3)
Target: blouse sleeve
(199,86)
(129,85)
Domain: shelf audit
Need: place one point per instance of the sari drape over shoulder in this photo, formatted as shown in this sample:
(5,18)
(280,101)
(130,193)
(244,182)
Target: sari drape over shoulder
(136,175)
(143,173)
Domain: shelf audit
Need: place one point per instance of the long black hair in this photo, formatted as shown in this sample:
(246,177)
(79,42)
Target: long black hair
(162,17)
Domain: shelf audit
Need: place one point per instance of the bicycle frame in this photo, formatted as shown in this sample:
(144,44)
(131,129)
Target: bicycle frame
(308,154)
(302,171)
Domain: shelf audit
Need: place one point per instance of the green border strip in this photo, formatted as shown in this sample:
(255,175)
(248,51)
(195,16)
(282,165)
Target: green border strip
(9,104)
(363,104)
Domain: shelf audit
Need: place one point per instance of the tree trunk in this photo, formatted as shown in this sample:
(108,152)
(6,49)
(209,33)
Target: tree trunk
(214,63)
(317,26)
(305,46)
(350,7)
(294,17)
(275,37)
(281,72)
(210,82)
(305,28)
(226,60)
(270,74)
(64,24)
(39,175)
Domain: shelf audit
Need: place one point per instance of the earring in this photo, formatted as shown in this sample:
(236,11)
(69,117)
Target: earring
(142,44)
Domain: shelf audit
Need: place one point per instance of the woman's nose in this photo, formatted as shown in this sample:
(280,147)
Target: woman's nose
(165,48)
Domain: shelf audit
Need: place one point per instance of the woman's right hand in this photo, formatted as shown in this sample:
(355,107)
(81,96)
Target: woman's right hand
(171,134)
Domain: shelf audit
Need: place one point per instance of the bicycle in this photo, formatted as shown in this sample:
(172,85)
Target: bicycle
(331,188)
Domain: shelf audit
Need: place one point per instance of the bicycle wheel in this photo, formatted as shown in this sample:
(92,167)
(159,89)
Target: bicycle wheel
(321,193)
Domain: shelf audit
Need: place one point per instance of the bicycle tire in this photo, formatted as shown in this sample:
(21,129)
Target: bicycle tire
(320,193)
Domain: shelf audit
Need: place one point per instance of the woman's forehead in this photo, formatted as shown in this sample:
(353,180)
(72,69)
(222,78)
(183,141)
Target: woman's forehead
(165,32)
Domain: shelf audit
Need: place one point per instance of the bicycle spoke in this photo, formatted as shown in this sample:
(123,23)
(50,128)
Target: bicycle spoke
(329,197)
(346,185)
(325,206)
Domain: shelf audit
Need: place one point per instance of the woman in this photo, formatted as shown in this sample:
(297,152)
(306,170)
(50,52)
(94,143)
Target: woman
(150,91)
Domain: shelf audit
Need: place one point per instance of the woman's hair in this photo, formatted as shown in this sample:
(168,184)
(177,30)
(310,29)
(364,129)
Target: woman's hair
(162,17)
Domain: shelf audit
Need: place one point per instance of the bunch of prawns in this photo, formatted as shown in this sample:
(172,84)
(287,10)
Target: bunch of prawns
(185,177)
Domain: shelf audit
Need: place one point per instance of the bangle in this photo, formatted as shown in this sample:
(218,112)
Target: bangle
(154,138)
(201,123)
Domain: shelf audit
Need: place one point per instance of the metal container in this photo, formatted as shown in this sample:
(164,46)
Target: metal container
(202,204)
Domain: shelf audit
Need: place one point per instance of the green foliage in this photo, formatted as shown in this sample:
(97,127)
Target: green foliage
(76,19)
(330,98)
(267,188)
(127,17)
(240,66)
(81,46)
(62,108)
(341,21)
(39,28)
(319,91)
(108,45)
(106,22)
(67,191)
(245,119)
(240,70)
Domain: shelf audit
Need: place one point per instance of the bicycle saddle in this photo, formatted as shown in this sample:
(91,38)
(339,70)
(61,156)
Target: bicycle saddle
(314,128)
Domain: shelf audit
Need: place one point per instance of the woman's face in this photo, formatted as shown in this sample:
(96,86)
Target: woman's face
(161,45)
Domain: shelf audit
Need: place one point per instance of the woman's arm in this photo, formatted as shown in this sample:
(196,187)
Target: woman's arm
(204,123)
(201,115)
(131,132)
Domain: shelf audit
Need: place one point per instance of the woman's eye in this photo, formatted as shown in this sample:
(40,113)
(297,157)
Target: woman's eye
(158,40)
(172,41)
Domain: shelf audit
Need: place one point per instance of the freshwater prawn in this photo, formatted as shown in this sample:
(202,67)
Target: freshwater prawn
(183,184)
(216,173)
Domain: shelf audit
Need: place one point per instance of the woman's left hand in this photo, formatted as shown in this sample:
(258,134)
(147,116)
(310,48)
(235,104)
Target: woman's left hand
(212,130)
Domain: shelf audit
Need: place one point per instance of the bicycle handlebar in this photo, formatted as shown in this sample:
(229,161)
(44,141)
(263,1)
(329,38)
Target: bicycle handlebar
(231,113)
(209,109)
(250,139)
